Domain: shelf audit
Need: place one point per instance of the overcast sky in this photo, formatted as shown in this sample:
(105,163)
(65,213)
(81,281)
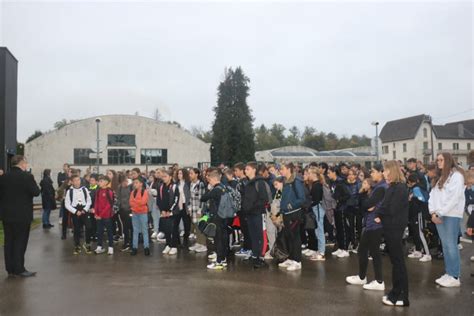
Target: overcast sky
(335,66)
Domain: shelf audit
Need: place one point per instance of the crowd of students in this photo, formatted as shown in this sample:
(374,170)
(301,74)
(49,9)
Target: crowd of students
(263,212)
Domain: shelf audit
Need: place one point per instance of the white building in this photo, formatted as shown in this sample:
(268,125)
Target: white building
(416,137)
(126,141)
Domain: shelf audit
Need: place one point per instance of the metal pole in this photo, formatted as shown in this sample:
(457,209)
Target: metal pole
(98,147)
(377,141)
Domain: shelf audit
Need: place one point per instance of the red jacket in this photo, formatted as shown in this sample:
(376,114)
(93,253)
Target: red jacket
(104,203)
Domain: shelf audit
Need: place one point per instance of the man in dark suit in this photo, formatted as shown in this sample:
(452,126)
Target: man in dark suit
(17,189)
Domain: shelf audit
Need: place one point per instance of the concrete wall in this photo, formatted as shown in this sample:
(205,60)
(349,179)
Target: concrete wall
(55,148)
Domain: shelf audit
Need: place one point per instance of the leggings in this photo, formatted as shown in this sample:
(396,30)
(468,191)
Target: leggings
(292,236)
(343,231)
(370,243)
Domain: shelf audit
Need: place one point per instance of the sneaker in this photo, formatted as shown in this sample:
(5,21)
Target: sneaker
(243,253)
(472,258)
(438,280)
(111,251)
(268,256)
(212,256)
(87,249)
(259,263)
(337,252)
(343,254)
(305,251)
(99,250)
(215,266)
(425,258)
(77,250)
(304,246)
(374,286)
(285,264)
(160,235)
(193,248)
(386,301)
(356,280)
(192,236)
(173,251)
(310,253)
(167,250)
(450,281)
(415,255)
(147,251)
(370,258)
(153,236)
(125,248)
(318,257)
(181,234)
(201,249)
(294,266)
(460,247)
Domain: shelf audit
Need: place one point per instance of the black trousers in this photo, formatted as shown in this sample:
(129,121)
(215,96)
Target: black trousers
(79,222)
(127,227)
(370,243)
(343,230)
(245,231)
(65,221)
(16,241)
(291,230)
(255,225)
(393,240)
(182,215)
(221,240)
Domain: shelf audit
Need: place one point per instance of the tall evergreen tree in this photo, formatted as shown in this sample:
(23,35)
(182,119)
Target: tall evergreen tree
(232,130)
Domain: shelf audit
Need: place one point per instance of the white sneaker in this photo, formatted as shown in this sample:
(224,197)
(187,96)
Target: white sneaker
(337,252)
(318,257)
(212,256)
(441,279)
(415,255)
(356,280)
(201,249)
(160,235)
(294,266)
(425,258)
(343,254)
(192,236)
(449,281)
(386,301)
(374,286)
(286,263)
(173,251)
(193,248)
(153,236)
(268,256)
(111,251)
(167,250)
(99,250)
(310,253)
(472,258)
(305,251)
(460,247)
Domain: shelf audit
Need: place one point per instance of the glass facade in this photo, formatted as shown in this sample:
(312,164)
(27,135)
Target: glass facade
(121,156)
(153,156)
(82,157)
(121,140)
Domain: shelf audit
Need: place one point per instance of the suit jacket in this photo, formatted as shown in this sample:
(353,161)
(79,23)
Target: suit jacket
(17,189)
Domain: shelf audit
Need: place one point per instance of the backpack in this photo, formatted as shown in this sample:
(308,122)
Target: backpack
(71,194)
(230,203)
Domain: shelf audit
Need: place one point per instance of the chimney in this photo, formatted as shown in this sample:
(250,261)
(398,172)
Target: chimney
(461,130)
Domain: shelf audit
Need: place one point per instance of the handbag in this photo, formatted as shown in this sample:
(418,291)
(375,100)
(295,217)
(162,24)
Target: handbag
(310,221)
(280,251)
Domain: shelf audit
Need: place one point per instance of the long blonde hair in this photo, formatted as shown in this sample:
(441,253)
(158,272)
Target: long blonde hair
(396,175)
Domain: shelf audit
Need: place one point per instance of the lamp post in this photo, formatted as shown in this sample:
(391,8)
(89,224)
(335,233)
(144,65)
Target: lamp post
(98,120)
(376,124)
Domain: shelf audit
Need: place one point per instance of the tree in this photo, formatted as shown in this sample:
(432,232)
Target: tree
(35,135)
(199,132)
(232,131)
(294,138)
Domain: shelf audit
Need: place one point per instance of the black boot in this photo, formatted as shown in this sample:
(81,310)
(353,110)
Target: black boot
(133,252)
(147,251)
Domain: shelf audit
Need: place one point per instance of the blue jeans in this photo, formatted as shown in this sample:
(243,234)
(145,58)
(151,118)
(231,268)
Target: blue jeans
(46,214)
(101,224)
(140,225)
(155,214)
(319,213)
(448,232)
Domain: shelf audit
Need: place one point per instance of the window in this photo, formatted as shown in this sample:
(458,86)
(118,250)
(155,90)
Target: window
(120,140)
(154,156)
(468,146)
(440,146)
(425,145)
(426,160)
(425,132)
(405,161)
(82,156)
(385,149)
(121,156)
(455,146)
(404,147)
(394,155)
(393,145)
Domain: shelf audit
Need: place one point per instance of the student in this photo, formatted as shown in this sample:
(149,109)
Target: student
(154,183)
(123,203)
(184,192)
(372,195)
(469,194)
(47,198)
(254,202)
(78,202)
(418,205)
(316,199)
(116,224)
(353,213)
(61,197)
(167,201)
(221,239)
(291,202)
(341,217)
(412,168)
(104,213)
(394,215)
(197,189)
(93,187)
(139,208)
(446,206)
(239,172)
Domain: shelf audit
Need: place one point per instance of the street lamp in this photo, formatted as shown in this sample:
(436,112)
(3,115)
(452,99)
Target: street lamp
(376,124)
(98,120)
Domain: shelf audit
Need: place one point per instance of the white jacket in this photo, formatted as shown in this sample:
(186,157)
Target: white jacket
(77,198)
(448,201)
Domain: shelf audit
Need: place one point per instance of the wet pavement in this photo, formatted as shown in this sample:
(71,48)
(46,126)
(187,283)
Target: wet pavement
(158,285)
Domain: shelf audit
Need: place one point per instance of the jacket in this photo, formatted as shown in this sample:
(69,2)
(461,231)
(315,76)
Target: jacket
(48,194)
(394,209)
(316,193)
(187,195)
(450,200)
(340,193)
(123,200)
(167,198)
(374,199)
(255,199)
(213,199)
(293,195)
(81,199)
(104,203)
(139,201)
(17,189)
